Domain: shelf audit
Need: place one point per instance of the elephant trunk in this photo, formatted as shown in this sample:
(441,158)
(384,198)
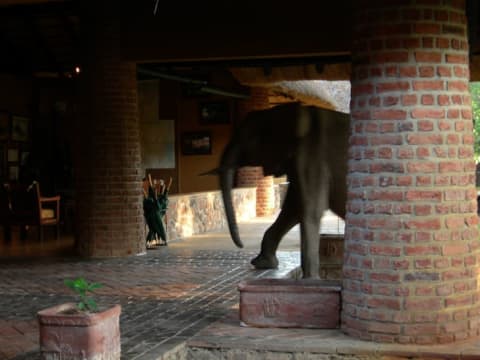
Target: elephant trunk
(226,184)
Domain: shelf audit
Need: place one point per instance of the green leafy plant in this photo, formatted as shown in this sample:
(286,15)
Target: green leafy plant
(475,92)
(83,288)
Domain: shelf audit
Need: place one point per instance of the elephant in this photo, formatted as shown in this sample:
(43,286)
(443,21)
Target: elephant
(307,144)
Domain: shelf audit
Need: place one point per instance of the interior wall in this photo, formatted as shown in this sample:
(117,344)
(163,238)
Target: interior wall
(165,100)
(158,117)
(45,154)
(16,99)
(191,166)
(16,95)
(52,135)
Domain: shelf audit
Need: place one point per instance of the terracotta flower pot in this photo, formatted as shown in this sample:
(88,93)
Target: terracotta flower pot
(66,334)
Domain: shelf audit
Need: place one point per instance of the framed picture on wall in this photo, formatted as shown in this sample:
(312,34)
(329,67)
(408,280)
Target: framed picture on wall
(20,128)
(24,155)
(13,173)
(12,155)
(212,113)
(4,125)
(197,143)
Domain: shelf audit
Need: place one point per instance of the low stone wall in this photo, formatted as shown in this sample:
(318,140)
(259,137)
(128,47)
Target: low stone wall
(197,213)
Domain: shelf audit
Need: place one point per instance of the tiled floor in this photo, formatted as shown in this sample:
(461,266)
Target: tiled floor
(185,293)
(167,295)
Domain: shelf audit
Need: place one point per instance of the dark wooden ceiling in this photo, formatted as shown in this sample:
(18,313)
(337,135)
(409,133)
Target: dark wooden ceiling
(42,36)
(39,38)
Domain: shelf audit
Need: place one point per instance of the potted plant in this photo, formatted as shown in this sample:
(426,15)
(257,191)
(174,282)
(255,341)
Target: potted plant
(80,330)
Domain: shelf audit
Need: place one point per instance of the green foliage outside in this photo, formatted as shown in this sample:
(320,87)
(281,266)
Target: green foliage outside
(82,288)
(475,92)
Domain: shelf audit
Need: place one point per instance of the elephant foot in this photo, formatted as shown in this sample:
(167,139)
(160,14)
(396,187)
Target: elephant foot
(265,262)
(310,274)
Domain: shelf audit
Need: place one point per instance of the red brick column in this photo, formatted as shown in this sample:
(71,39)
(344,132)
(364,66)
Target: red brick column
(251,175)
(109,217)
(412,239)
(248,176)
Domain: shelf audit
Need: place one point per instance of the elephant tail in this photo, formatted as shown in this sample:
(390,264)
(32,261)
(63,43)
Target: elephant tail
(226,184)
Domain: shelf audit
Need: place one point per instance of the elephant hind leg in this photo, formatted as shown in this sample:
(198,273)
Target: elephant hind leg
(287,219)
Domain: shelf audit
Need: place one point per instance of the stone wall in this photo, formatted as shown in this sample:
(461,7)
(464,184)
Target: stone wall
(197,213)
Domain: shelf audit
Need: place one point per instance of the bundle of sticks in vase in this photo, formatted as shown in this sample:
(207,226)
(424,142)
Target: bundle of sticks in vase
(155,204)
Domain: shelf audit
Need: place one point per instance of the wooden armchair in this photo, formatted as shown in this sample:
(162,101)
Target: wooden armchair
(48,210)
(29,208)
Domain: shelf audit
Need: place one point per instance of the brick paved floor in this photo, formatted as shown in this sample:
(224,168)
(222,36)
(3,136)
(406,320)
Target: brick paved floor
(183,293)
(166,296)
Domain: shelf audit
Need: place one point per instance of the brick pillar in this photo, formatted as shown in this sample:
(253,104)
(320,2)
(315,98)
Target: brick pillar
(411,244)
(248,176)
(253,175)
(109,218)
(265,196)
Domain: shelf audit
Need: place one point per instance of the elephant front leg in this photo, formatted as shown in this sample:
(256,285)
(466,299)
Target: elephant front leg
(310,247)
(267,259)
(309,230)
(315,202)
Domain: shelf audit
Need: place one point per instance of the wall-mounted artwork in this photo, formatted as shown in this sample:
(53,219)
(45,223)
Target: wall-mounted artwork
(20,128)
(214,113)
(24,157)
(196,143)
(12,155)
(158,144)
(13,173)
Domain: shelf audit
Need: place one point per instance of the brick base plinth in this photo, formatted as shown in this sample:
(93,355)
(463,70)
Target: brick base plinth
(290,303)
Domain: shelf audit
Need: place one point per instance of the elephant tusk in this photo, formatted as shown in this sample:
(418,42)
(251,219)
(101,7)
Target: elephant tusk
(215,171)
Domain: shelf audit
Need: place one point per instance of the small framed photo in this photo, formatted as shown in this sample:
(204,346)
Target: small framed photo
(20,128)
(212,113)
(12,155)
(13,173)
(196,143)
(24,157)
